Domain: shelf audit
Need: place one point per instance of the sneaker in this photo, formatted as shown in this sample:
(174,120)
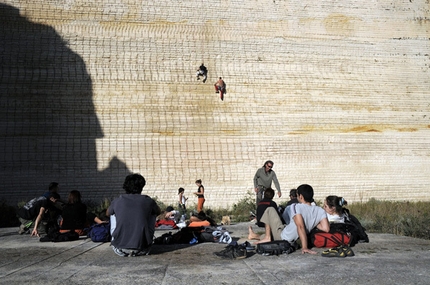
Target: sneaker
(22,230)
(226,249)
(194,240)
(140,252)
(348,251)
(248,246)
(334,252)
(120,252)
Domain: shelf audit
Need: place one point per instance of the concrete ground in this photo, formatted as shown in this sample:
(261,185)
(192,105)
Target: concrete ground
(387,259)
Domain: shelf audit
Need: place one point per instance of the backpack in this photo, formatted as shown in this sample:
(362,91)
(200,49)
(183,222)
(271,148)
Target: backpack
(348,233)
(275,247)
(331,239)
(100,232)
(358,232)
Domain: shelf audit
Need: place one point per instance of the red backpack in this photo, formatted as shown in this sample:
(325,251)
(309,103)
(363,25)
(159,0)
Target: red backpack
(322,239)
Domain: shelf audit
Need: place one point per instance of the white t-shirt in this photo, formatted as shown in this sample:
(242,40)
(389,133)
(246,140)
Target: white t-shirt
(312,216)
(336,218)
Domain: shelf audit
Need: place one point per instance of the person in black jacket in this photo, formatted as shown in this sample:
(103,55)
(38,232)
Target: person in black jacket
(74,215)
(202,71)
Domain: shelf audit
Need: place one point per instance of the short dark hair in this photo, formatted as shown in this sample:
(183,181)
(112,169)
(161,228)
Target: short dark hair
(293,193)
(269,193)
(134,183)
(54,195)
(268,161)
(181,190)
(53,186)
(307,192)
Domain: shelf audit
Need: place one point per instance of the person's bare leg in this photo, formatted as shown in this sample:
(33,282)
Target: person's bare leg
(252,235)
(267,236)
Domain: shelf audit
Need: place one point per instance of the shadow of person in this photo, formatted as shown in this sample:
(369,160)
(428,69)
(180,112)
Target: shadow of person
(49,125)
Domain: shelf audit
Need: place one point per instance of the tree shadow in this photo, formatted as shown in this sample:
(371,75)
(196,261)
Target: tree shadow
(48,121)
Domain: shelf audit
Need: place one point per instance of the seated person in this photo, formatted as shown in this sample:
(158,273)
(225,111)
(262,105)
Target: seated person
(168,219)
(133,219)
(267,201)
(74,215)
(293,197)
(201,220)
(333,205)
(32,213)
(303,218)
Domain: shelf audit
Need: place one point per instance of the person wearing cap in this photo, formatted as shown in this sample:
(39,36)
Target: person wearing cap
(263,179)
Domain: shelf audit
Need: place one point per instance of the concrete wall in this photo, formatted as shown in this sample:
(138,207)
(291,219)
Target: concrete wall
(335,93)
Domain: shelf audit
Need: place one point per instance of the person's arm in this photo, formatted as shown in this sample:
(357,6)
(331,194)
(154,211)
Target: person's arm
(108,212)
(324,225)
(256,182)
(301,230)
(98,221)
(36,223)
(276,182)
(167,215)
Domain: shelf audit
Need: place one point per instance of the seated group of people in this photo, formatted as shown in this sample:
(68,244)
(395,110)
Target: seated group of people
(299,218)
(133,217)
(49,212)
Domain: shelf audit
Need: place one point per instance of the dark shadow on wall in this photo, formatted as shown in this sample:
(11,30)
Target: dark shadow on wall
(48,124)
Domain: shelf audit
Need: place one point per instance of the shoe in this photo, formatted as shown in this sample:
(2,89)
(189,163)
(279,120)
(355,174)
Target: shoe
(232,252)
(248,246)
(217,235)
(225,238)
(348,251)
(227,248)
(22,229)
(194,240)
(120,252)
(334,252)
(140,252)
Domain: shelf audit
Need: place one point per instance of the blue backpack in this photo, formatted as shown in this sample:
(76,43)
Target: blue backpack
(100,233)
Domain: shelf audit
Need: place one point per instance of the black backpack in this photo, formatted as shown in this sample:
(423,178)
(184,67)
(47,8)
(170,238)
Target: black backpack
(354,227)
(276,247)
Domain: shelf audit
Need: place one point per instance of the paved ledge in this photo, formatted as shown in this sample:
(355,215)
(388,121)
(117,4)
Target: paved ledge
(387,259)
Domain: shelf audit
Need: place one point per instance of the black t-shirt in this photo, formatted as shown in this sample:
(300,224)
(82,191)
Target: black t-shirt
(74,216)
(31,210)
(262,206)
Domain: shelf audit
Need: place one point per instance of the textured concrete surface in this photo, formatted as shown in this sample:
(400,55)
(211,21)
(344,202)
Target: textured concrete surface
(387,259)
